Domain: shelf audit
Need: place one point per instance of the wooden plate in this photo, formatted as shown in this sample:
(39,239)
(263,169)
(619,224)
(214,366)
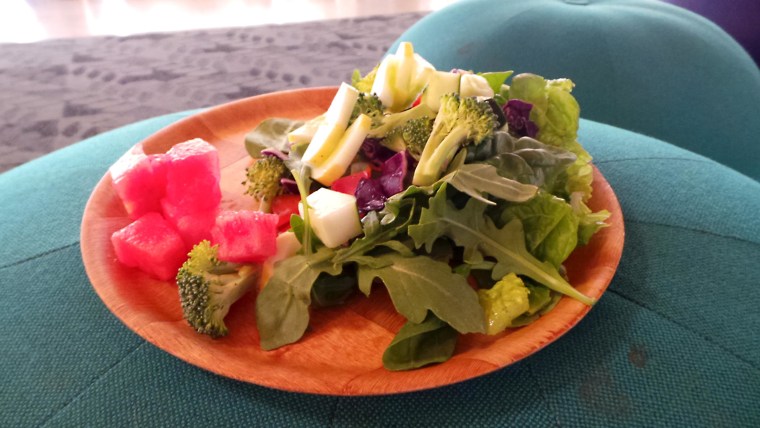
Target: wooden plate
(341,352)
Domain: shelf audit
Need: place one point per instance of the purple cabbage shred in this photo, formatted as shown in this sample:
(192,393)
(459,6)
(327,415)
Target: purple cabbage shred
(393,173)
(289,186)
(375,152)
(518,118)
(274,152)
(371,193)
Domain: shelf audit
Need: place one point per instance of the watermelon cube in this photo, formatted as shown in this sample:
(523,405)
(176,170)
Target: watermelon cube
(192,194)
(245,236)
(139,180)
(152,245)
(193,225)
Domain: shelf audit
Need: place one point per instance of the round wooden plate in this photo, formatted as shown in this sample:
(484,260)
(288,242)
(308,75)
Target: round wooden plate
(341,352)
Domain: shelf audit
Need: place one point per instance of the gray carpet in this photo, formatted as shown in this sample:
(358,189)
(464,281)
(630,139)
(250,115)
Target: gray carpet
(55,93)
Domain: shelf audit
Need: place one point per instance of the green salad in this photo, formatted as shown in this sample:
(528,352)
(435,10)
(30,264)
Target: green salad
(461,193)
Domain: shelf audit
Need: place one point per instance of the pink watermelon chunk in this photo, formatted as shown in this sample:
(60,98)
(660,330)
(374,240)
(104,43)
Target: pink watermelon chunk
(192,194)
(193,225)
(140,182)
(152,245)
(245,236)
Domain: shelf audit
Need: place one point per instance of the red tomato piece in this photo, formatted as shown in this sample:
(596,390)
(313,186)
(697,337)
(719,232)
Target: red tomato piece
(348,183)
(284,206)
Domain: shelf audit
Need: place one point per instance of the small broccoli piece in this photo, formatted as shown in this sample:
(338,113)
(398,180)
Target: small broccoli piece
(460,121)
(392,121)
(263,180)
(412,136)
(208,287)
(504,302)
(364,84)
(370,105)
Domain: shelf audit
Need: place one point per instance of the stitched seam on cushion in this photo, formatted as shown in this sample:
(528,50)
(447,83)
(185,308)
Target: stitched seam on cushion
(543,395)
(655,158)
(334,412)
(702,336)
(91,384)
(693,229)
(37,256)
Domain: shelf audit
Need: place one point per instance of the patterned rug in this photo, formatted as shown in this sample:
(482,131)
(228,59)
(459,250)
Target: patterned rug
(55,93)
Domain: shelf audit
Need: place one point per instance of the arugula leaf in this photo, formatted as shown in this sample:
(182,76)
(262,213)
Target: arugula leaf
(478,178)
(330,290)
(270,134)
(282,307)
(418,284)
(376,233)
(471,229)
(420,344)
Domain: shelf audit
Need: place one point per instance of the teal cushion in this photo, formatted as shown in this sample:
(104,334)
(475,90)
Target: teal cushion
(673,342)
(641,65)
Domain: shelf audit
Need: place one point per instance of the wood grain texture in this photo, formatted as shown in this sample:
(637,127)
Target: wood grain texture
(341,352)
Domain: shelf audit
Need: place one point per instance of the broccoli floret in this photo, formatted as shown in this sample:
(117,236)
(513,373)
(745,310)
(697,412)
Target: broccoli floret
(504,302)
(389,122)
(412,136)
(460,121)
(263,180)
(208,287)
(370,105)
(363,84)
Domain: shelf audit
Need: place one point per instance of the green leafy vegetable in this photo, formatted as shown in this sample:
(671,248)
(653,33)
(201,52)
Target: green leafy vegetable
(589,222)
(470,229)
(504,302)
(496,79)
(329,290)
(376,233)
(420,344)
(525,159)
(556,113)
(282,307)
(551,226)
(476,179)
(270,134)
(418,284)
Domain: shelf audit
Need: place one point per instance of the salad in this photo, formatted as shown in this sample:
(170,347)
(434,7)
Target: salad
(460,193)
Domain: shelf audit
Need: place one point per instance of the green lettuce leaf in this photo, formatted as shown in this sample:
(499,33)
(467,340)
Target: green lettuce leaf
(589,222)
(556,113)
(551,226)
(504,302)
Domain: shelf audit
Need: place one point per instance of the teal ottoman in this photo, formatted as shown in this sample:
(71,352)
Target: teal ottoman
(674,341)
(642,65)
